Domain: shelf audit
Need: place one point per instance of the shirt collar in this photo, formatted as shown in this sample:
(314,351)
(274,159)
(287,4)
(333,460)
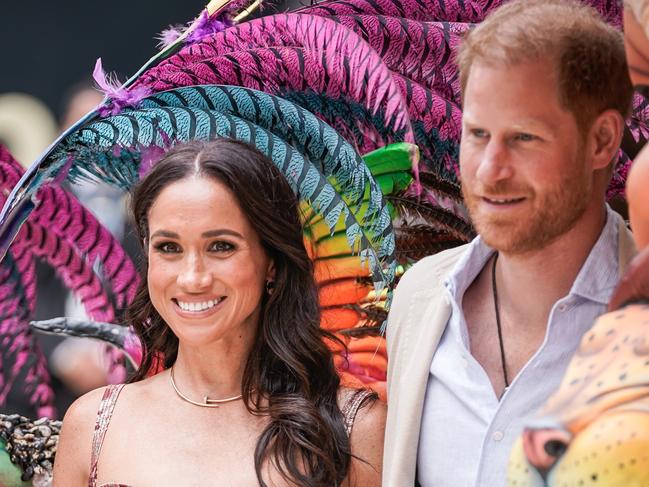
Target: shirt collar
(599,275)
(595,281)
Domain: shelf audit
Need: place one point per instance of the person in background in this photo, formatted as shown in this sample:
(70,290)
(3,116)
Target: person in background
(634,284)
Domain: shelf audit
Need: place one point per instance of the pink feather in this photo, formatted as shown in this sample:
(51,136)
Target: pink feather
(467,11)
(62,214)
(334,53)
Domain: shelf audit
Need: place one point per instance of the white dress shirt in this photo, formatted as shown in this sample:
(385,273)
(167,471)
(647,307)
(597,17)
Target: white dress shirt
(467,433)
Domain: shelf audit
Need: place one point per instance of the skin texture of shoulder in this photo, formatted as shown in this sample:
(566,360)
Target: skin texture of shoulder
(367,445)
(72,465)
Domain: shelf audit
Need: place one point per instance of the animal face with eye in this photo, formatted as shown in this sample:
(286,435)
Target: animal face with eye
(594,431)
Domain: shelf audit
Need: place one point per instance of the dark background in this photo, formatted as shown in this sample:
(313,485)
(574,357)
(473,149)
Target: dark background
(48,46)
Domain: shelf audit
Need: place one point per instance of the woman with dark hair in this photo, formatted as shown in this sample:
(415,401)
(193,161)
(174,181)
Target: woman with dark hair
(228,316)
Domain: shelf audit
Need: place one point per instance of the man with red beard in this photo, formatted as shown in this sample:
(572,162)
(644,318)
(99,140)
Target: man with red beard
(479,336)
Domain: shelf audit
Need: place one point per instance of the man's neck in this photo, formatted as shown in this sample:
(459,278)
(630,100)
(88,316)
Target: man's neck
(528,286)
(530,283)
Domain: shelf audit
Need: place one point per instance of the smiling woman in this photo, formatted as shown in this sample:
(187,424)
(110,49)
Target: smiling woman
(228,316)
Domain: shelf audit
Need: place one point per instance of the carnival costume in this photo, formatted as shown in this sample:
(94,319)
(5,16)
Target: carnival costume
(355,101)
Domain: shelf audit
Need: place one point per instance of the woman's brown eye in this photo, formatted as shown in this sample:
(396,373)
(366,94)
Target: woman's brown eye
(167,248)
(221,247)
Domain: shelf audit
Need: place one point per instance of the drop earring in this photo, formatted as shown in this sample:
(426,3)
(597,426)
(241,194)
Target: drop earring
(270,286)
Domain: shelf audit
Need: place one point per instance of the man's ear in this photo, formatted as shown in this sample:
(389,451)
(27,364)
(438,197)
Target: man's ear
(605,137)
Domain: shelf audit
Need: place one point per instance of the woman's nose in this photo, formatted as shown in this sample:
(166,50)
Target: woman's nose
(544,447)
(195,276)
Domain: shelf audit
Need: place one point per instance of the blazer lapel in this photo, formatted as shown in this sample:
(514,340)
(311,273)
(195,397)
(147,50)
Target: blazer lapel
(413,378)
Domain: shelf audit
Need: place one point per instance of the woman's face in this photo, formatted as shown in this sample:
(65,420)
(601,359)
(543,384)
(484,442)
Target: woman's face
(207,267)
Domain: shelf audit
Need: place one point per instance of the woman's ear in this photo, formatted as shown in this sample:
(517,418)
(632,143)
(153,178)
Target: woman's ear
(270,272)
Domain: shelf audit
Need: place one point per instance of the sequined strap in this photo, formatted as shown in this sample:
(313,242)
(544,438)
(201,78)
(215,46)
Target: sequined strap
(106,407)
(353,404)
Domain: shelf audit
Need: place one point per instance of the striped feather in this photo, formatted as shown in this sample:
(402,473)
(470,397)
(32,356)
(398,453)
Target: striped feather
(347,64)
(439,153)
(471,11)
(75,271)
(62,214)
(274,68)
(95,144)
(421,51)
(300,128)
(19,347)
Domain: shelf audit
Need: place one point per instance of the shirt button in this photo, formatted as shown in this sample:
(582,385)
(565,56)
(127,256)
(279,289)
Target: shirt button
(563,307)
(497,436)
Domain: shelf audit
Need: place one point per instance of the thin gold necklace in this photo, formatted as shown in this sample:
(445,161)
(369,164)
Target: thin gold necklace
(207,402)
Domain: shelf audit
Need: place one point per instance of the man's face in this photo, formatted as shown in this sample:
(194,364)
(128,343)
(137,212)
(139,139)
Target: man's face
(523,171)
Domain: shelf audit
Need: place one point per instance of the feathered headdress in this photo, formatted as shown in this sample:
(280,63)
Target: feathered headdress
(356,102)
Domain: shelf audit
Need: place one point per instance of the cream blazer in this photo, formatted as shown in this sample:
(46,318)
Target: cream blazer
(418,317)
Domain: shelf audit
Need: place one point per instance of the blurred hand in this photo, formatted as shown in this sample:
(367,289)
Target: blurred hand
(634,284)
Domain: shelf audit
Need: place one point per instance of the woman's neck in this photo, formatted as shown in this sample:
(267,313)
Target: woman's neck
(215,370)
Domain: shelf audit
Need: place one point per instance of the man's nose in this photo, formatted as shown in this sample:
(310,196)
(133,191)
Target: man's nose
(495,164)
(544,447)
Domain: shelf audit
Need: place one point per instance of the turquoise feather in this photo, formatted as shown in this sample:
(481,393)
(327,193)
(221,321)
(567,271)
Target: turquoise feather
(110,148)
(299,127)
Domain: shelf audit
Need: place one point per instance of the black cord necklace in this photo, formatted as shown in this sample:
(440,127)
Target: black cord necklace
(500,331)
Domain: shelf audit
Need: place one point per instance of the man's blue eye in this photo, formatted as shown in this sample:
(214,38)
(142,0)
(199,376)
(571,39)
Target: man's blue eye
(525,137)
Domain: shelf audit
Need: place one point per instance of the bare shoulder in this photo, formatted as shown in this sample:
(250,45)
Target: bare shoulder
(72,464)
(369,425)
(367,443)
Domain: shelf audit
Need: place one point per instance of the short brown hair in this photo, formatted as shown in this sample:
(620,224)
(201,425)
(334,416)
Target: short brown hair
(588,53)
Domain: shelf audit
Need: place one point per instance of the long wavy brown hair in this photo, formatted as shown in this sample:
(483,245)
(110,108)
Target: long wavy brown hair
(290,374)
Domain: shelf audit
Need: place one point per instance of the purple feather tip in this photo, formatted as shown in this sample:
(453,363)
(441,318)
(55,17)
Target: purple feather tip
(168,36)
(117,96)
(205,26)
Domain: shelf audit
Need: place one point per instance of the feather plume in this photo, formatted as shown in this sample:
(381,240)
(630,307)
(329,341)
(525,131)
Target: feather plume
(74,270)
(95,145)
(63,215)
(330,47)
(471,11)
(18,344)
(117,96)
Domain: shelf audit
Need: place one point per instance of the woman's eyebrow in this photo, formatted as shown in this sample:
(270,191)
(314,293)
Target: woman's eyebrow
(165,233)
(209,234)
(219,232)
